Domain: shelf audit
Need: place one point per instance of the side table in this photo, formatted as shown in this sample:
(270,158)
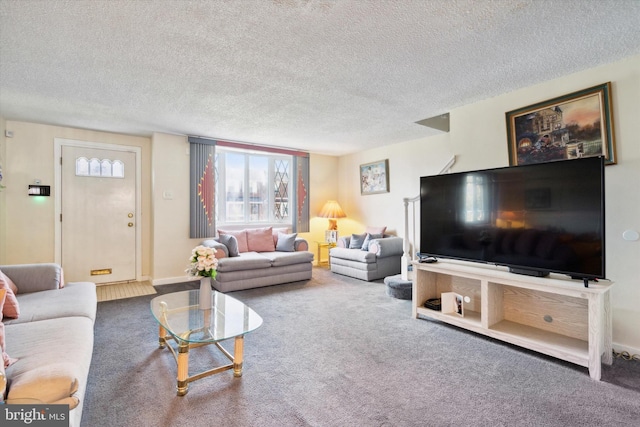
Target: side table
(321,246)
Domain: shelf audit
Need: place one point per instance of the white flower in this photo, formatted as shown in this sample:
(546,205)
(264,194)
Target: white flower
(203,262)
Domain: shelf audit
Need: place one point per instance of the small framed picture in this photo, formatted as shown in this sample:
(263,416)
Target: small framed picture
(452,303)
(331,236)
(374,177)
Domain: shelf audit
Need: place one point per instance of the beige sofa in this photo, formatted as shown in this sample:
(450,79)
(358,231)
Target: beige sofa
(51,340)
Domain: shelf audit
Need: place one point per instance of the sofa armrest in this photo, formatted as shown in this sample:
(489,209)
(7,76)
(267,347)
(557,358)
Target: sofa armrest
(387,246)
(221,250)
(300,244)
(34,277)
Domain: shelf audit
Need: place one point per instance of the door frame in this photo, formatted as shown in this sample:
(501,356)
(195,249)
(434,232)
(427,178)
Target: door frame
(57,156)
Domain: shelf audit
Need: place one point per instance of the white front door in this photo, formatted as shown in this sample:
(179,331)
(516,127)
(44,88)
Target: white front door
(98,214)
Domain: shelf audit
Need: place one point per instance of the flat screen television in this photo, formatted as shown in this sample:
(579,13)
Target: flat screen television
(535,219)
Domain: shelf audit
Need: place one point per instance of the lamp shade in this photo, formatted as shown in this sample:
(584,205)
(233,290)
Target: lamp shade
(332,209)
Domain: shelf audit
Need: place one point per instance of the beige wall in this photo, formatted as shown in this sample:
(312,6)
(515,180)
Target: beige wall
(478,140)
(30,231)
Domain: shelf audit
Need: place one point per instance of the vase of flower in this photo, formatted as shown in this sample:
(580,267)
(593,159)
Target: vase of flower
(205,293)
(203,264)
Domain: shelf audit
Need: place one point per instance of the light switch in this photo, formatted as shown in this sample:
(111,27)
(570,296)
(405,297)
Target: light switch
(167,195)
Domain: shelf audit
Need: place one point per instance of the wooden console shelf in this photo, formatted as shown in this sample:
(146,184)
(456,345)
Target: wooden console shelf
(552,315)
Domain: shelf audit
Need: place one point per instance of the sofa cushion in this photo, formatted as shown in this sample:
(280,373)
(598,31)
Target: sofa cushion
(365,244)
(231,243)
(278,259)
(286,242)
(40,352)
(247,279)
(75,299)
(260,239)
(244,261)
(357,240)
(10,309)
(48,384)
(241,237)
(353,255)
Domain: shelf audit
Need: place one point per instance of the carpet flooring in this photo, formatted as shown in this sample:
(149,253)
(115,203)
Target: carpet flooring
(336,351)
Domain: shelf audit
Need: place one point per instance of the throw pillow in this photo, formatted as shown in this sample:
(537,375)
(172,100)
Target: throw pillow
(61,278)
(376,230)
(276,231)
(11,308)
(12,285)
(260,239)
(357,240)
(286,242)
(231,243)
(54,383)
(365,244)
(241,237)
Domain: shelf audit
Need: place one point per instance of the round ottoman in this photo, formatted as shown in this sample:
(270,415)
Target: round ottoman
(398,288)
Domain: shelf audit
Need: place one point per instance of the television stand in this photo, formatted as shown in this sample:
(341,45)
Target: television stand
(552,315)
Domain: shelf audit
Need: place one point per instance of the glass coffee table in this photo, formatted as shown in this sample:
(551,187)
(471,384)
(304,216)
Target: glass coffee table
(183,321)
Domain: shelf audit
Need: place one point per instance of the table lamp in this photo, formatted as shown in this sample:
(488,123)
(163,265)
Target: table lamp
(332,211)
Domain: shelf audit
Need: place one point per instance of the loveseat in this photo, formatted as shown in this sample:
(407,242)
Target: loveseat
(256,257)
(368,256)
(50,342)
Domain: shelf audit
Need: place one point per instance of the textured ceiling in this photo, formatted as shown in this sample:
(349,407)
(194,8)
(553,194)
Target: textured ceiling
(330,77)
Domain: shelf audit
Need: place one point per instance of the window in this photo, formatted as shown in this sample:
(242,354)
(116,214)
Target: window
(252,187)
(239,185)
(102,168)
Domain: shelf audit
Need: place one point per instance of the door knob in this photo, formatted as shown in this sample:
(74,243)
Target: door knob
(130,215)
(130,224)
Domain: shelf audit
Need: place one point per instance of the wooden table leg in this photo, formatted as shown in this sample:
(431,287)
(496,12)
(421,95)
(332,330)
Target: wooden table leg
(237,356)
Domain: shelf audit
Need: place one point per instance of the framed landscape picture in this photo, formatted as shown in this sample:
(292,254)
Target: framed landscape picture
(331,236)
(374,177)
(571,126)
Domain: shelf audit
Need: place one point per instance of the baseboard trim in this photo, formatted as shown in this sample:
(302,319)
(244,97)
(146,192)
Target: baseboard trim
(170,280)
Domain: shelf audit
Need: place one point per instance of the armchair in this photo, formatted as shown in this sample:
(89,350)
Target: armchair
(380,259)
